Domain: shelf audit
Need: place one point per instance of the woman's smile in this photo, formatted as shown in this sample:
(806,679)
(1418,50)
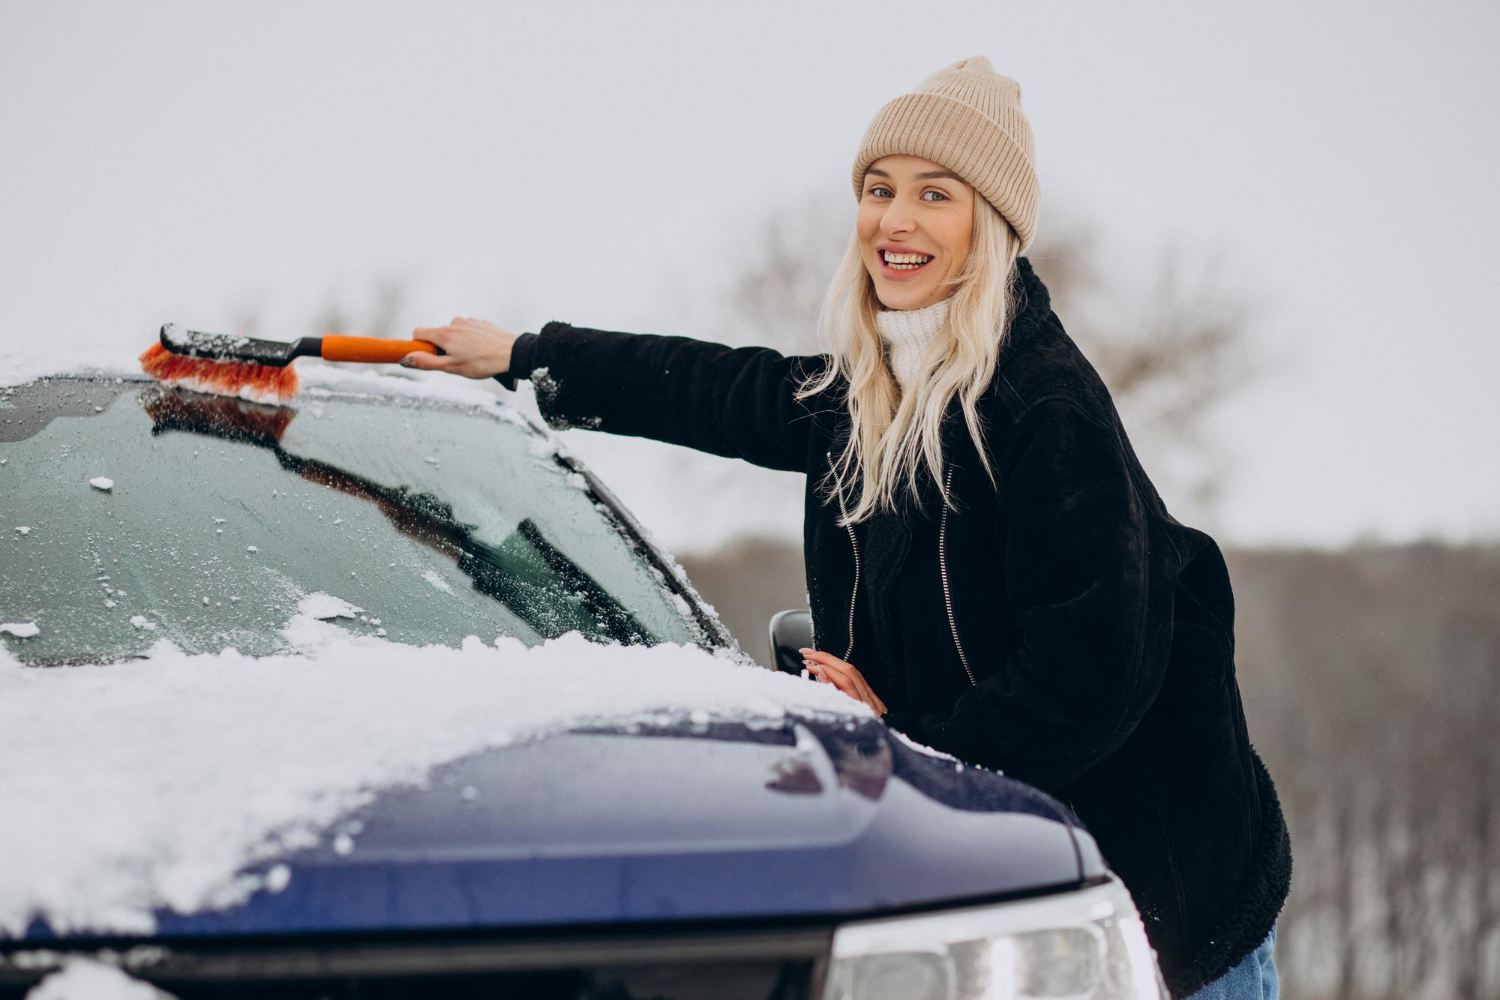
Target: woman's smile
(901,263)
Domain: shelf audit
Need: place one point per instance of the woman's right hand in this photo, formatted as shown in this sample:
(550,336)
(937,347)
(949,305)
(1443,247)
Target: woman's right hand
(473,348)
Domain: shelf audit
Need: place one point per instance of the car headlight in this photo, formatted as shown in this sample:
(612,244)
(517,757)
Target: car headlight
(1084,945)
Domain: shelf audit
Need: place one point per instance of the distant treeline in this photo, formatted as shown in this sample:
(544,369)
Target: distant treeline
(1371,680)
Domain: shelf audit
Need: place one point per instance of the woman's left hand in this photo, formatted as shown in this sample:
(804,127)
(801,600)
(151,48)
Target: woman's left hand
(845,676)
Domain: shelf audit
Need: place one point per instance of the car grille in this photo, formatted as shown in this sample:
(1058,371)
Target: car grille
(727,965)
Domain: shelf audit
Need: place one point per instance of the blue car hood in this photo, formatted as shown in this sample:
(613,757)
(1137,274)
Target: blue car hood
(812,818)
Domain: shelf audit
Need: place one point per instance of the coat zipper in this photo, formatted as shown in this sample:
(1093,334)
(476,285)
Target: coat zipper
(943,570)
(854,593)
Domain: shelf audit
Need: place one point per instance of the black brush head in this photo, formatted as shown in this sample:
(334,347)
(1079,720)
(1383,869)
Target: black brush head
(228,347)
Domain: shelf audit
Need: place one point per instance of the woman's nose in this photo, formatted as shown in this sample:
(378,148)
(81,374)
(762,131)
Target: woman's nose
(897,219)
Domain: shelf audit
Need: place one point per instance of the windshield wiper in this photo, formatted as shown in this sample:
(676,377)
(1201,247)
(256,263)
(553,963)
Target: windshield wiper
(527,573)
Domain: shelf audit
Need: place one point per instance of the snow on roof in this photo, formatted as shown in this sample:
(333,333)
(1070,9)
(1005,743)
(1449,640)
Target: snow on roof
(209,764)
(17,368)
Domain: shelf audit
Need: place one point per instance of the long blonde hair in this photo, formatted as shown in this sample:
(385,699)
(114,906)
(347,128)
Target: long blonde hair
(892,435)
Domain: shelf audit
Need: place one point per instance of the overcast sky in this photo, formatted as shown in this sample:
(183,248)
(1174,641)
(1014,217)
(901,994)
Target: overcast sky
(606,164)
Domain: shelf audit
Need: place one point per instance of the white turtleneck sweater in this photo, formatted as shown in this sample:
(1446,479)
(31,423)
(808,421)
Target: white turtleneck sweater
(906,333)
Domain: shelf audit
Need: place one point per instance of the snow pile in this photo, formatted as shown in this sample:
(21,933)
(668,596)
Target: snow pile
(21,630)
(158,782)
(325,606)
(392,380)
(86,979)
(19,368)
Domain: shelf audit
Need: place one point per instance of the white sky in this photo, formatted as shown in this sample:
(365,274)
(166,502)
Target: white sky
(606,163)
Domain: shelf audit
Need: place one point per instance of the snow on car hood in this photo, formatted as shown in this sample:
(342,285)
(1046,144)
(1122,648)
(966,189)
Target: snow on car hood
(153,783)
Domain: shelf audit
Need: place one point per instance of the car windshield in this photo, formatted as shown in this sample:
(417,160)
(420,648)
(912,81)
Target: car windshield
(136,513)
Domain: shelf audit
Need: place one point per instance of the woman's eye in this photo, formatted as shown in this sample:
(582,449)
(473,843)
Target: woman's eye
(881,191)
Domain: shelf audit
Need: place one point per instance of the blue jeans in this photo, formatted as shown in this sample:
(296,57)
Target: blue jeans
(1253,979)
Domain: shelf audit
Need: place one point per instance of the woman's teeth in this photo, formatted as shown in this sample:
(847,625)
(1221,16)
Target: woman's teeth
(905,261)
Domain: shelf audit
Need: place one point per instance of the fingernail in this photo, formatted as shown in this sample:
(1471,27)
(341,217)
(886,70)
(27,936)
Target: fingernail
(406,362)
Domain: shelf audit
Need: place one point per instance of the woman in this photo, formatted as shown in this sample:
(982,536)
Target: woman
(988,566)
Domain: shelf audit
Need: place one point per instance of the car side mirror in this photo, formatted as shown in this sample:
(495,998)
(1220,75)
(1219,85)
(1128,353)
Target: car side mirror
(791,630)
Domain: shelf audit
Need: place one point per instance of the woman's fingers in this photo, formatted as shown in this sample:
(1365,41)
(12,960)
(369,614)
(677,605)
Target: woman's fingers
(844,675)
(838,679)
(836,667)
(439,335)
(829,676)
(867,693)
(870,697)
(474,348)
(428,362)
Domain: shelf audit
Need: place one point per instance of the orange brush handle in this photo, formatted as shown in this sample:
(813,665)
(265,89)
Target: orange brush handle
(372,349)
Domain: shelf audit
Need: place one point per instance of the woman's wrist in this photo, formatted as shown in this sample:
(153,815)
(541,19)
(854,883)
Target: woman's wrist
(520,365)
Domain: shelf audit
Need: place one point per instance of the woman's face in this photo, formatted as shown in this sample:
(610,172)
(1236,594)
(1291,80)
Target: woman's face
(913,206)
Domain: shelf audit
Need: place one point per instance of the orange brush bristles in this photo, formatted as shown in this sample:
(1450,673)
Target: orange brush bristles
(243,379)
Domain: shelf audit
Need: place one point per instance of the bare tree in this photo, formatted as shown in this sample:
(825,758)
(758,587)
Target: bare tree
(1377,670)
(784,274)
(379,320)
(1170,353)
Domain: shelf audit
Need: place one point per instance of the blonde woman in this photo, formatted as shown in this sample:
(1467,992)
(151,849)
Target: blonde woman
(989,568)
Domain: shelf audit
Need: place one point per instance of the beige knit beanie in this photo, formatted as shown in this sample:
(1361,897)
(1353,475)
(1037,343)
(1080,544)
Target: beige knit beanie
(968,118)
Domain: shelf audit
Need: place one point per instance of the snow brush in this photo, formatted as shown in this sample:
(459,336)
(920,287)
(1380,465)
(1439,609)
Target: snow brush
(258,370)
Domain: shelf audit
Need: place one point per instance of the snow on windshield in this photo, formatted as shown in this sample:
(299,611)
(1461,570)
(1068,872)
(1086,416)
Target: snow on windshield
(438,520)
(165,782)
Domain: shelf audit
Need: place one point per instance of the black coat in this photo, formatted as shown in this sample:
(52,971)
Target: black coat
(1064,629)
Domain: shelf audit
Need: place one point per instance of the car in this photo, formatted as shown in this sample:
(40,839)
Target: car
(381,693)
